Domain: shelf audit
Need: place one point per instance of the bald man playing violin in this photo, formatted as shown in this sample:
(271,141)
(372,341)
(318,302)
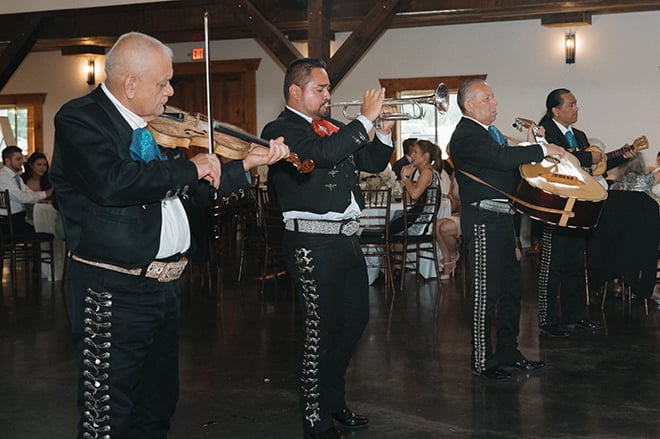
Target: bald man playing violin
(125,211)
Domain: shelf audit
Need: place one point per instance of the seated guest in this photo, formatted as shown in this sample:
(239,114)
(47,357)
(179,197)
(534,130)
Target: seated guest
(36,178)
(20,194)
(448,228)
(655,192)
(406,159)
(427,163)
(36,172)
(635,177)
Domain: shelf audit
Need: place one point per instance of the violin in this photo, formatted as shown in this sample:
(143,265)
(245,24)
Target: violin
(178,129)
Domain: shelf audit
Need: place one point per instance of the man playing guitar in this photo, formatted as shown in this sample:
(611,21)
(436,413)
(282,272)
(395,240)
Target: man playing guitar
(562,254)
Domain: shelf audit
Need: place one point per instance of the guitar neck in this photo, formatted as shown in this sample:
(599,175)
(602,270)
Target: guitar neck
(521,123)
(619,152)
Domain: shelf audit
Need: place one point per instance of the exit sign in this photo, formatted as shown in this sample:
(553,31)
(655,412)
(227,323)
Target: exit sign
(198,53)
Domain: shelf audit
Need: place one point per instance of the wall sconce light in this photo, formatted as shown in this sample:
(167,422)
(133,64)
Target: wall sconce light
(91,71)
(569,44)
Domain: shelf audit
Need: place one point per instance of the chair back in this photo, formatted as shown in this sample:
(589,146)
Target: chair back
(419,232)
(272,219)
(273,227)
(375,219)
(419,220)
(6,224)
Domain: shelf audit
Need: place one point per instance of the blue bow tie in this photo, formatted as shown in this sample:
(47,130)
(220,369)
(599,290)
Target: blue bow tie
(143,146)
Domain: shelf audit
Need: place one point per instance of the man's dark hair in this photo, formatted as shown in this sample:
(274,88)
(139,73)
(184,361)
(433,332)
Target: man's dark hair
(554,100)
(407,144)
(9,151)
(299,72)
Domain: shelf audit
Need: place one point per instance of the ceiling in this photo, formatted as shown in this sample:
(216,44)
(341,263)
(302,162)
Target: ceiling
(276,23)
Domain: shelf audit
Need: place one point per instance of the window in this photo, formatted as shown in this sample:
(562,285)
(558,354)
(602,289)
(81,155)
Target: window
(435,126)
(22,114)
(14,123)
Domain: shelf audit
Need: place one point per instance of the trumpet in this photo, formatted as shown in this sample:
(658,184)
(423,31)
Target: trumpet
(439,99)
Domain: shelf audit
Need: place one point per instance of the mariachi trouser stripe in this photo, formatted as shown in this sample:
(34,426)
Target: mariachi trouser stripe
(544,273)
(311,344)
(96,361)
(480,297)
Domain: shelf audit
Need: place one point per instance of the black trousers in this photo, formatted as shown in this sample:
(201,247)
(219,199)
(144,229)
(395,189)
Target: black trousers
(330,276)
(496,286)
(19,224)
(126,338)
(562,268)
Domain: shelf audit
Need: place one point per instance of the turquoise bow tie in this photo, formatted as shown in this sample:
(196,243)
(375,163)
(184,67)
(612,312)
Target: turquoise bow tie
(143,146)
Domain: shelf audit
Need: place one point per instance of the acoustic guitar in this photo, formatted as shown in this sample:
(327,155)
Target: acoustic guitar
(639,144)
(558,191)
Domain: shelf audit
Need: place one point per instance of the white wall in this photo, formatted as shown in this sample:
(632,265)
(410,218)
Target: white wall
(616,77)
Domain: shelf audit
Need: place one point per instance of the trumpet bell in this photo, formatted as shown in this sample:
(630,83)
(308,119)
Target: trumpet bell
(441,98)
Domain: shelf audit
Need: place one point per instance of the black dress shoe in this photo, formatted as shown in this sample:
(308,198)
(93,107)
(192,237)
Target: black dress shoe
(350,420)
(494,373)
(528,366)
(587,324)
(553,331)
(331,433)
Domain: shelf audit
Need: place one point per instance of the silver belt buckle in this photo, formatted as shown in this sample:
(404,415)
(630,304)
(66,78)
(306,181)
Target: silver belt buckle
(350,228)
(166,271)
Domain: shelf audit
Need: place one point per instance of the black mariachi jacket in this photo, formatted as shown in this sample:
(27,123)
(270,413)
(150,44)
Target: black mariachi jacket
(110,203)
(338,160)
(474,150)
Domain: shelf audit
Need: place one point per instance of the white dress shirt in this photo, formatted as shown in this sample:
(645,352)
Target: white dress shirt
(18,196)
(175,229)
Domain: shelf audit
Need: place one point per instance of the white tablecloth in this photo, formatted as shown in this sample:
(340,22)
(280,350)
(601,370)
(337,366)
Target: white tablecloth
(426,267)
(44,216)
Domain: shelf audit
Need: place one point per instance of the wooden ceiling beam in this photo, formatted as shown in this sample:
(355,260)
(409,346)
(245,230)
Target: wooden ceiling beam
(267,34)
(178,21)
(318,13)
(360,40)
(14,54)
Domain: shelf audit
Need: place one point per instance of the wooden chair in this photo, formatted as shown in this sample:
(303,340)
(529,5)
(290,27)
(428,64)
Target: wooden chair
(422,246)
(375,232)
(24,247)
(273,228)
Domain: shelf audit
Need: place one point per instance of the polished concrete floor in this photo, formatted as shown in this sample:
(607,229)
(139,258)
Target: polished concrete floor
(410,373)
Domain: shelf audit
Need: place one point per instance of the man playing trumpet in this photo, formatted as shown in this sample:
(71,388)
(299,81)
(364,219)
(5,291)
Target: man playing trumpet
(323,254)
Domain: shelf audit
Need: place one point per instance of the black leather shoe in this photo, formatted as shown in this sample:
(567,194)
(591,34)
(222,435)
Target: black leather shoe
(350,420)
(553,331)
(331,433)
(587,324)
(494,373)
(527,366)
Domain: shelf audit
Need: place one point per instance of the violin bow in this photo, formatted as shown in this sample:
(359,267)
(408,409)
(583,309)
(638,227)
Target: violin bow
(207,63)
